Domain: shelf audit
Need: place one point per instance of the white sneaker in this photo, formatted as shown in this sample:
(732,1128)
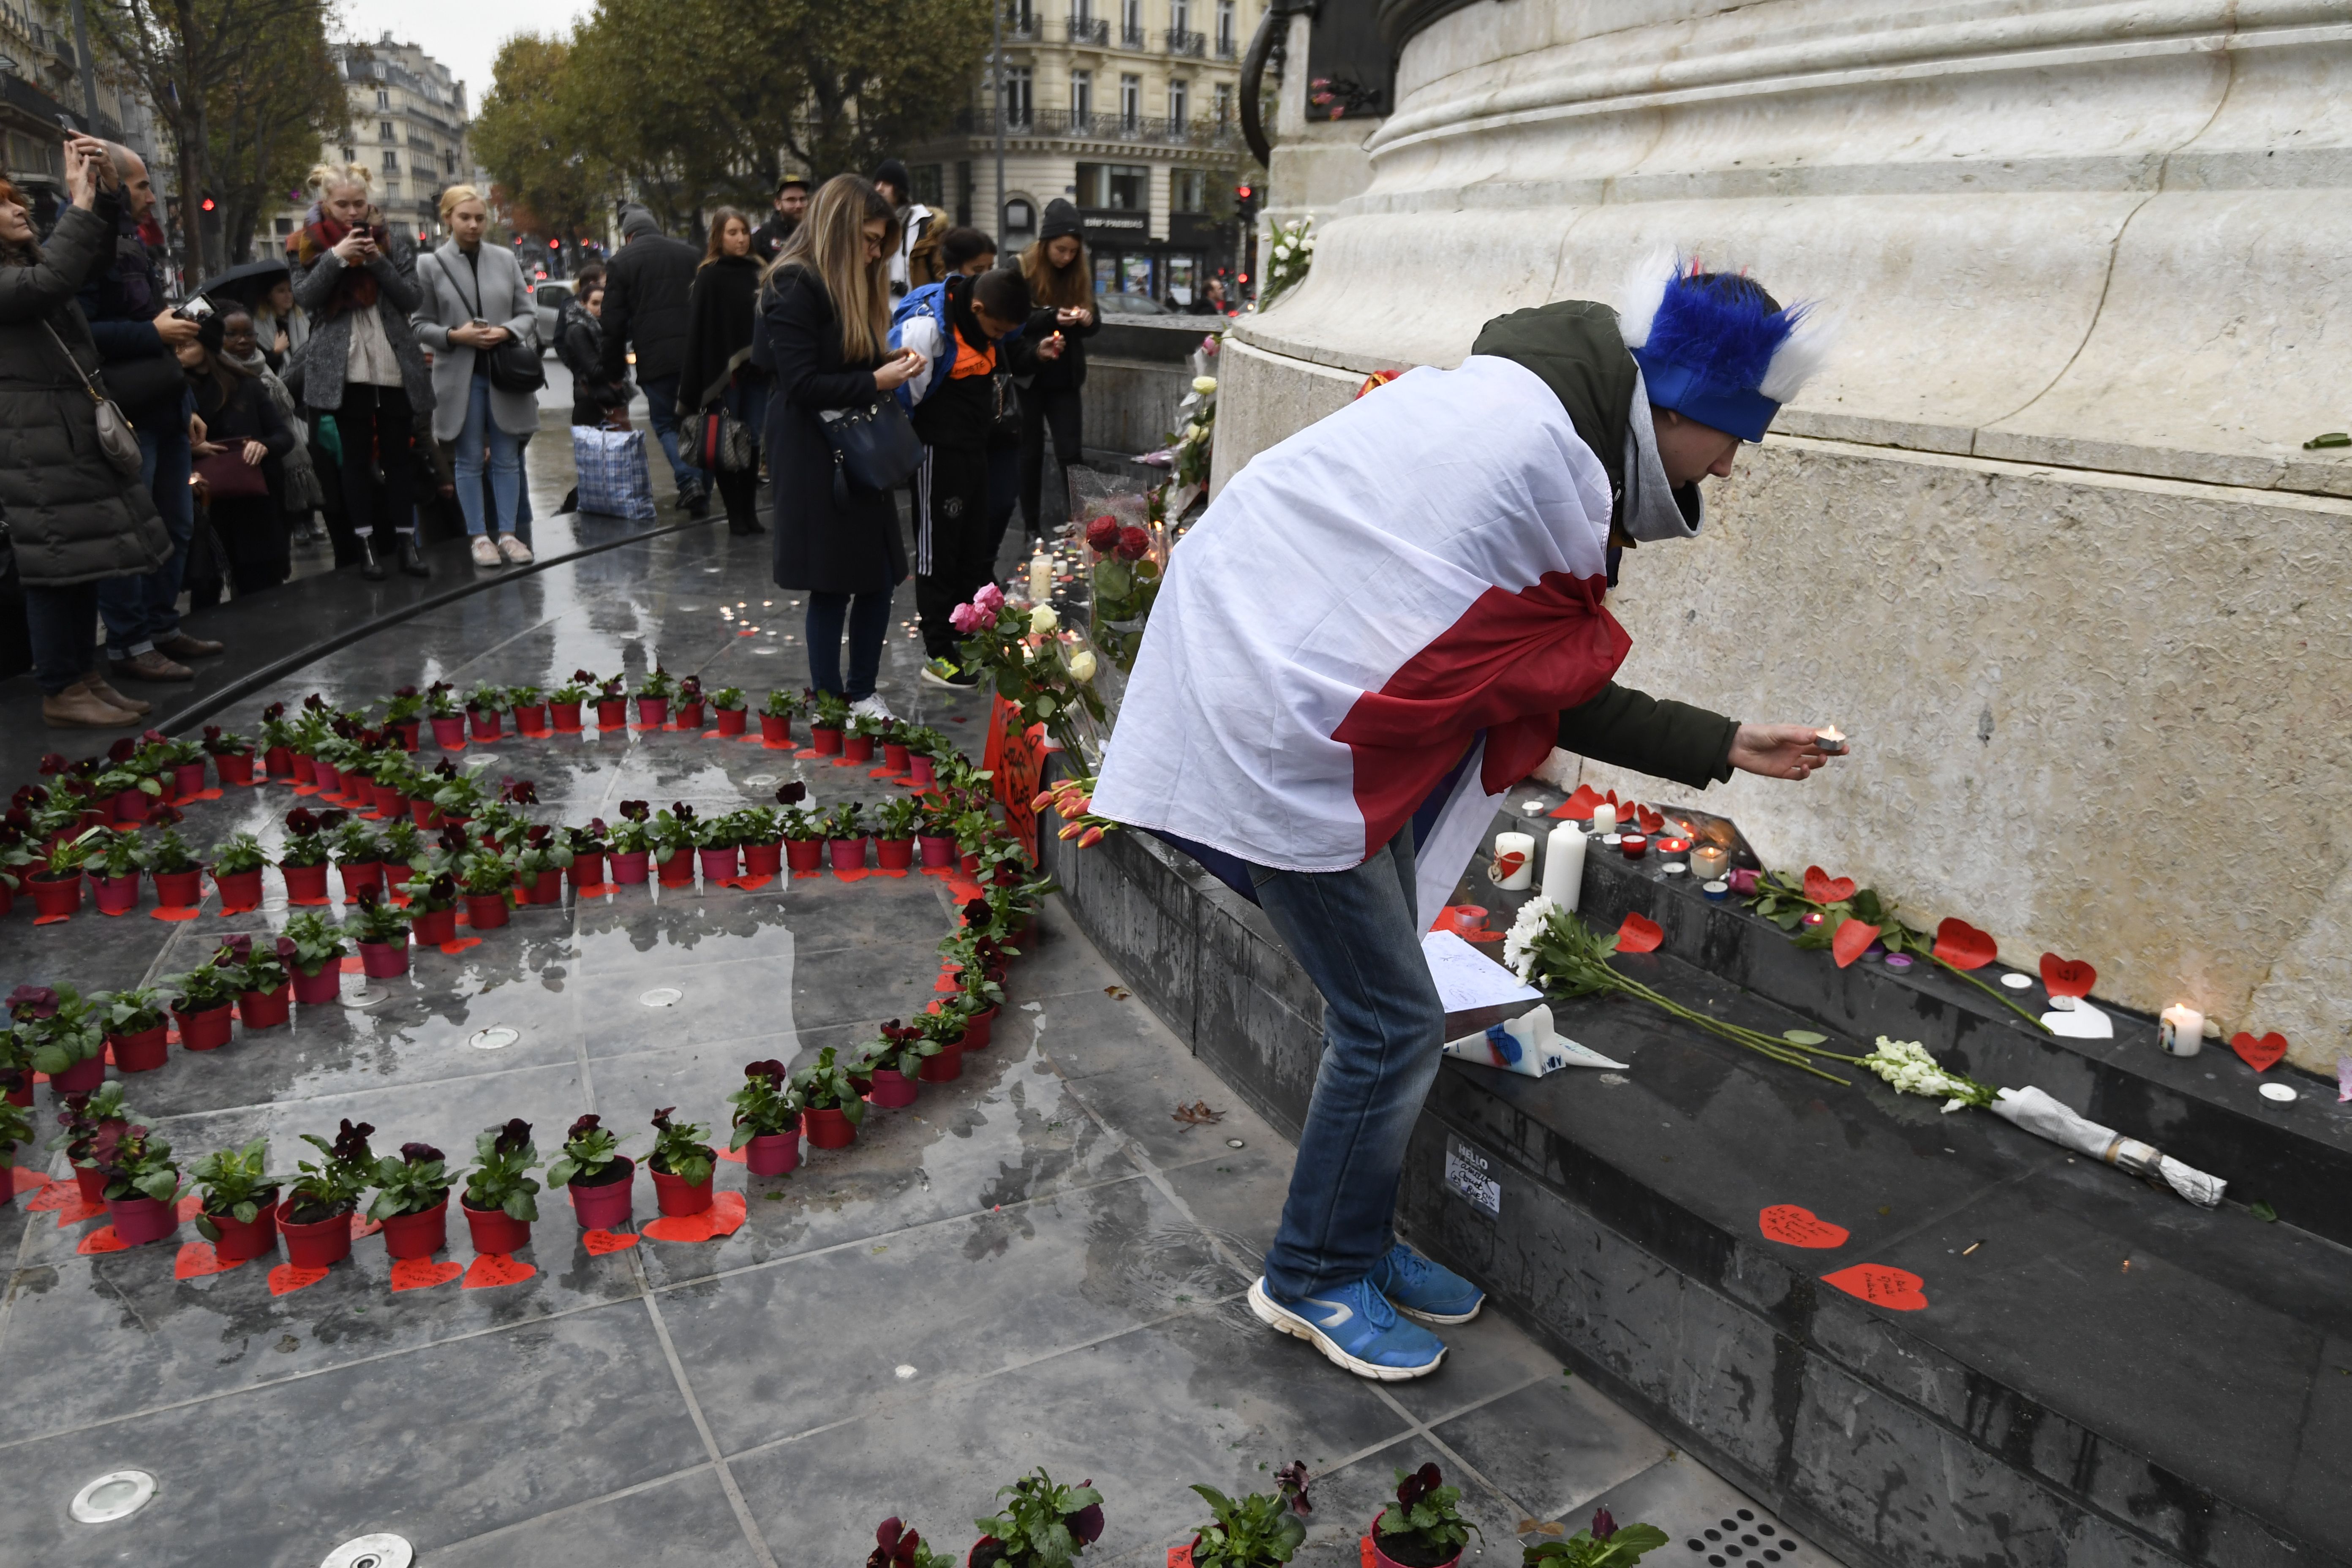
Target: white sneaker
(514,549)
(484,553)
(873,707)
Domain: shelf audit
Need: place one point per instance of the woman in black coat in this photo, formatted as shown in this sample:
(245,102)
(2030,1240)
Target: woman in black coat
(1061,283)
(824,330)
(245,444)
(717,372)
(580,345)
(75,517)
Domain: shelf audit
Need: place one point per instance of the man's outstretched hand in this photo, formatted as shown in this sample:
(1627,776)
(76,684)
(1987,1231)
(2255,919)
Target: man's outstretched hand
(1776,751)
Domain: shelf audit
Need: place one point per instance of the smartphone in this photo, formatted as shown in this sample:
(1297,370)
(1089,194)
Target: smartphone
(194,308)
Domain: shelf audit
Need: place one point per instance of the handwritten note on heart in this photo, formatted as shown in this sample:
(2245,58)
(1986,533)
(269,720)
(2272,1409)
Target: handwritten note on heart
(1963,946)
(1853,940)
(422,1273)
(2067,976)
(491,1269)
(1824,889)
(286,1278)
(197,1259)
(27,1181)
(102,1240)
(1881,1285)
(600,1242)
(2259,1055)
(1639,933)
(1795,1225)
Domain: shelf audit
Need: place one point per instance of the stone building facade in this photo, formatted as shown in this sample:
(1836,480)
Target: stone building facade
(409,129)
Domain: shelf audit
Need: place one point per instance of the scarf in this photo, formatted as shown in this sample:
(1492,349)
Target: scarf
(356,288)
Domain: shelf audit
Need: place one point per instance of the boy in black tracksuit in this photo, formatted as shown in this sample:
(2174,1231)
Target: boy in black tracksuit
(954,413)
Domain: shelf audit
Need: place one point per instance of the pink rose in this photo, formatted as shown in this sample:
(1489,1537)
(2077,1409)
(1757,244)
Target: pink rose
(989,600)
(967,618)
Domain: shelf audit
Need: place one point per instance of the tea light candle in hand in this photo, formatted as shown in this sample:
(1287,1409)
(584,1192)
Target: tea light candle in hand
(1831,739)
(2180,1030)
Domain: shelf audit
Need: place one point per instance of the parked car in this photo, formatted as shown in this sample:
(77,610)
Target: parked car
(1132,305)
(548,297)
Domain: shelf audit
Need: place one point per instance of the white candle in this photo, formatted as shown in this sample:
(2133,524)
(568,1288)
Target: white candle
(1523,871)
(1563,873)
(1604,818)
(1041,578)
(1708,862)
(2180,1030)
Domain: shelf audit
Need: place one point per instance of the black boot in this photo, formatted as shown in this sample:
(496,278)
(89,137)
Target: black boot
(370,568)
(410,561)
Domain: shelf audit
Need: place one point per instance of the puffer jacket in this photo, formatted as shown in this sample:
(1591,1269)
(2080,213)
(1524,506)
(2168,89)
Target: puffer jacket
(74,516)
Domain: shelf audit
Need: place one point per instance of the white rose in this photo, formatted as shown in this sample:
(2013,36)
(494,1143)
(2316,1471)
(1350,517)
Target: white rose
(1204,384)
(1043,620)
(1082,666)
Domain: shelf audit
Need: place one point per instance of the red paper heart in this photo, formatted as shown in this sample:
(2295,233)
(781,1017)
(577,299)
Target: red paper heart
(102,1240)
(491,1269)
(737,1156)
(287,1278)
(1577,806)
(600,1242)
(1851,940)
(1963,946)
(1794,1225)
(181,913)
(56,1195)
(352,964)
(2067,976)
(24,1181)
(197,1259)
(1507,866)
(362,1228)
(723,1218)
(189,1206)
(1824,889)
(1640,934)
(727,1212)
(1650,821)
(2259,1055)
(422,1273)
(459,944)
(1881,1285)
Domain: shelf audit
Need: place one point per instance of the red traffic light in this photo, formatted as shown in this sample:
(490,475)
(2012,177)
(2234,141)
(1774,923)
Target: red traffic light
(1243,191)
(554,244)
(206,204)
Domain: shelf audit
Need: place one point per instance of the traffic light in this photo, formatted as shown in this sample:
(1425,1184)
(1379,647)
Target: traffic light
(206,204)
(554,244)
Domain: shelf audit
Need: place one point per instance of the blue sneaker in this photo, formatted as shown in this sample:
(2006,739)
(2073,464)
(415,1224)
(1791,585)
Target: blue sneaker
(1354,1326)
(1429,1292)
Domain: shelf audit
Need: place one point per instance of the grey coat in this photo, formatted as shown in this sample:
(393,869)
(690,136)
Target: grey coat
(74,516)
(447,284)
(328,350)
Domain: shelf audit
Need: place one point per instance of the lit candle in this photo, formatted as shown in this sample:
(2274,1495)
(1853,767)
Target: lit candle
(1604,818)
(1831,739)
(1672,845)
(1563,873)
(1634,845)
(1041,577)
(1710,861)
(1514,868)
(2180,1030)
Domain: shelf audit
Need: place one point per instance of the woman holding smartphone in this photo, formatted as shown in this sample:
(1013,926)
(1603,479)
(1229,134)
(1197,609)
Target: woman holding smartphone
(1061,283)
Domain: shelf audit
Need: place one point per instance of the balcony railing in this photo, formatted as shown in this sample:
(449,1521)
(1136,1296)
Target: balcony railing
(1134,38)
(1184,43)
(1225,46)
(1093,30)
(1097,125)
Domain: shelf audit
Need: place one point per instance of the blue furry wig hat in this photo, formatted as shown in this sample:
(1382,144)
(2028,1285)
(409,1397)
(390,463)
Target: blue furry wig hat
(1715,347)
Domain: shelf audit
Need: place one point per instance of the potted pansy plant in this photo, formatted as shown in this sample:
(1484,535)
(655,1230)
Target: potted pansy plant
(433,896)
(830,1107)
(767,1121)
(689,702)
(894,834)
(588,848)
(484,705)
(316,961)
(232,754)
(316,1216)
(591,1168)
(302,860)
(56,887)
(412,1200)
(727,707)
(776,716)
(803,827)
(132,1020)
(719,847)
(359,857)
(206,996)
(16,1128)
(114,866)
(857,738)
(613,703)
(844,834)
(488,878)
(539,862)
(81,1117)
(895,1062)
(1263,1530)
(277,738)
(681,1163)
(263,999)
(240,1202)
(896,1546)
(943,1029)
(1605,1544)
(633,841)
(1042,1524)
(828,718)
(448,718)
(760,832)
(382,933)
(179,879)
(400,843)
(564,702)
(529,705)
(237,863)
(143,1182)
(654,694)
(501,1198)
(1423,1528)
(61,1035)
(672,832)
(403,715)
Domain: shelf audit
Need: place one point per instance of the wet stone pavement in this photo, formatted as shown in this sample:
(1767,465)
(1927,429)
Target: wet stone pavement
(1036,1265)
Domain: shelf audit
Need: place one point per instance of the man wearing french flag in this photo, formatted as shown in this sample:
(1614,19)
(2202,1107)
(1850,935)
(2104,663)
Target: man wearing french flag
(1379,626)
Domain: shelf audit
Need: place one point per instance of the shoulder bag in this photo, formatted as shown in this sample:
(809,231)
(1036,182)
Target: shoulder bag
(715,441)
(515,364)
(874,448)
(115,436)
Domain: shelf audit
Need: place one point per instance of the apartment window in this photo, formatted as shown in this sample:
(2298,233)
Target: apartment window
(391,189)
(391,162)
(384,131)
(1188,190)
(930,189)
(382,98)
(350,154)
(1179,16)
(1020,219)
(284,227)
(1016,95)
(1019,18)
(1115,187)
(1224,102)
(1130,100)
(1226,28)
(1082,94)
(449,162)
(1180,104)
(1130,24)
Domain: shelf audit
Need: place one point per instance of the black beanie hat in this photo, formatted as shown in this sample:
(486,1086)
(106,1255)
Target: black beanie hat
(894,173)
(1061,218)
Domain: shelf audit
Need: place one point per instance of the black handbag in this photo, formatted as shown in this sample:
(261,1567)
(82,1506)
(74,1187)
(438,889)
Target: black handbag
(874,448)
(515,364)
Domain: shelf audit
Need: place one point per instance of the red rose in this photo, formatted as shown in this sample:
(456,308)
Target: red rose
(1132,542)
(1102,534)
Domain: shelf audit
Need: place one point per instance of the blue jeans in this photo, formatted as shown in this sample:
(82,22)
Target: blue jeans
(141,611)
(506,463)
(1358,935)
(869,616)
(661,412)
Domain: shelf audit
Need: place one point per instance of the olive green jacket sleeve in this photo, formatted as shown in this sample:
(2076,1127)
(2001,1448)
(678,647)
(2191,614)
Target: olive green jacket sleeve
(1668,739)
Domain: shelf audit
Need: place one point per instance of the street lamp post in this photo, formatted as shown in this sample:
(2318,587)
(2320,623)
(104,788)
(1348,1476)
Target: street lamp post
(996,86)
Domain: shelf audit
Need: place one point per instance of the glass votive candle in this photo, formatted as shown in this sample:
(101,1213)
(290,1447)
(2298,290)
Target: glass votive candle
(1635,844)
(1710,861)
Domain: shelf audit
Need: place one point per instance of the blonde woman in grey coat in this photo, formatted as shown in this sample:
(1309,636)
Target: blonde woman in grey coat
(474,300)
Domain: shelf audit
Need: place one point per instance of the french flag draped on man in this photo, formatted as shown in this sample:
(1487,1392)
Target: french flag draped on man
(1376,622)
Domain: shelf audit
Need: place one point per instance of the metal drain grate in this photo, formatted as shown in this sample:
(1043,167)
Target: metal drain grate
(1743,1538)
(372,1551)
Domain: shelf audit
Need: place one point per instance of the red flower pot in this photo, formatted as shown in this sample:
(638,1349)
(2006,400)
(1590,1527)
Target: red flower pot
(773,726)
(629,865)
(718,863)
(892,1090)
(689,716)
(278,761)
(449,732)
(978,1029)
(142,1052)
(848,854)
(21,1096)
(367,874)
(306,768)
(418,1235)
(384,960)
(894,756)
(588,869)
(115,895)
(56,895)
(828,1128)
(945,1067)
(612,714)
(678,1196)
(408,729)
(396,876)
(939,850)
(893,854)
(603,1205)
(80,1078)
(7,896)
(243,1239)
(826,741)
(317,990)
(804,854)
(140,1220)
(305,884)
(240,890)
(922,770)
(317,1244)
(484,721)
(731,720)
(1380,1559)
(424,812)
(857,748)
(431,927)
(179,889)
(546,887)
(90,1183)
(389,802)
(329,780)
(773,1154)
(495,1230)
(764,859)
(187,778)
(235,767)
(133,806)
(206,1030)
(530,717)
(486,911)
(265,1009)
(653,712)
(677,869)
(565,714)
(970,863)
